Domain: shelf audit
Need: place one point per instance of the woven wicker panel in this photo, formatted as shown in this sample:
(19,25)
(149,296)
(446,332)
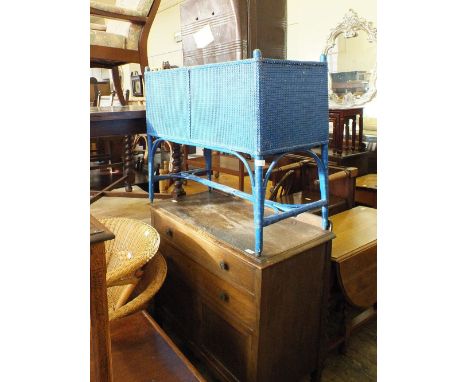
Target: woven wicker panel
(252,106)
(224,105)
(134,245)
(293,105)
(167,103)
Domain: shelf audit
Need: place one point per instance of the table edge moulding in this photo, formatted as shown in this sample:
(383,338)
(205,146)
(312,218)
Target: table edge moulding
(263,113)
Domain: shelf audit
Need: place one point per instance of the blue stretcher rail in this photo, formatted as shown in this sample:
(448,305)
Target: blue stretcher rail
(258,182)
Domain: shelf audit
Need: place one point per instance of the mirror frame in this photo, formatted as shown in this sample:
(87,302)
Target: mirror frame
(350,25)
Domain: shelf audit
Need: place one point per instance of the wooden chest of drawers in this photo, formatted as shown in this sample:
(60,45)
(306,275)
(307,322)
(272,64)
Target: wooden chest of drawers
(247,318)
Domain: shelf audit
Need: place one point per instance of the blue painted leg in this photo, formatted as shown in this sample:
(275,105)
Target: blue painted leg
(151,145)
(259,206)
(323,177)
(207,155)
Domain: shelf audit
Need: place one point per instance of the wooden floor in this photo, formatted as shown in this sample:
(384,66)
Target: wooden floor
(360,362)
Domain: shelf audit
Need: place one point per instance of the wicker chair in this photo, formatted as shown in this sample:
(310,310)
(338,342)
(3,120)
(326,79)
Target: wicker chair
(135,271)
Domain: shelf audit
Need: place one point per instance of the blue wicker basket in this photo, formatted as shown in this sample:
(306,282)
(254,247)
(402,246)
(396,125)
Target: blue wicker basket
(255,106)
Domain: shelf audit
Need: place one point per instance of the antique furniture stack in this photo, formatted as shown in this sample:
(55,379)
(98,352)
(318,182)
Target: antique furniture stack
(236,289)
(244,107)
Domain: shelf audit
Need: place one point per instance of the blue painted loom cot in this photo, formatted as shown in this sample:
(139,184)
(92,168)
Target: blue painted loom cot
(256,106)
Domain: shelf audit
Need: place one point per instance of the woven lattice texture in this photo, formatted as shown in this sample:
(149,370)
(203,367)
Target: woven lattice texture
(255,106)
(176,116)
(135,244)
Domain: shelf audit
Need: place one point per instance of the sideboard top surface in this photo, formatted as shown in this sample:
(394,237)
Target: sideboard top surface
(230,220)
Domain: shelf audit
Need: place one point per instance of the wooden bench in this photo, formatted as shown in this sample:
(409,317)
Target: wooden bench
(141,352)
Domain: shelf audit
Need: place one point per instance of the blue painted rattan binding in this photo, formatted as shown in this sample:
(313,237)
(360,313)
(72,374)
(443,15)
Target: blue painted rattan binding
(257,107)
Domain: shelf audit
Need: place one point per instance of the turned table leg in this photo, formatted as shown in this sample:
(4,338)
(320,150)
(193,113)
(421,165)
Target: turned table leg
(362,146)
(353,133)
(128,163)
(177,167)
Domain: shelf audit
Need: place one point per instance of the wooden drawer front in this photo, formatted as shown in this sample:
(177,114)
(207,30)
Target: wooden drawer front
(227,347)
(225,297)
(217,260)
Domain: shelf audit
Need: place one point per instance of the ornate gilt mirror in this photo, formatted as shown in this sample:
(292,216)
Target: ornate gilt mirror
(351,53)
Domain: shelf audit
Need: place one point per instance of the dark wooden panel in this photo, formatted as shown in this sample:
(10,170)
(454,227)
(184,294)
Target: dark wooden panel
(224,343)
(293,301)
(117,127)
(366,197)
(108,113)
(178,298)
(102,53)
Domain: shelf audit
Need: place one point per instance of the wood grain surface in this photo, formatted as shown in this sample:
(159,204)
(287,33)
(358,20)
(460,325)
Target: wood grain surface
(141,351)
(355,254)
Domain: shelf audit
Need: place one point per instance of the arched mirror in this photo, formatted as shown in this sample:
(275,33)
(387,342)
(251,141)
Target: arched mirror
(351,53)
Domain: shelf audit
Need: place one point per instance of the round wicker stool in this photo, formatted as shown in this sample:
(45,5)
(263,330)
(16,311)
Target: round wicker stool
(135,272)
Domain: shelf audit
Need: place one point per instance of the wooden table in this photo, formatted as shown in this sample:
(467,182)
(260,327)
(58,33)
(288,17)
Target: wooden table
(354,260)
(354,267)
(248,318)
(366,190)
(101,361)
(123,121)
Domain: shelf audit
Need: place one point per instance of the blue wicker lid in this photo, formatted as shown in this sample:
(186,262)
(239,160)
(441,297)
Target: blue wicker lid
(257,58)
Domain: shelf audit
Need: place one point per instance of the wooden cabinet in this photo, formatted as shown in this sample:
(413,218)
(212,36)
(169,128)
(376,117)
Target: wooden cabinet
(247,318)
(341,120)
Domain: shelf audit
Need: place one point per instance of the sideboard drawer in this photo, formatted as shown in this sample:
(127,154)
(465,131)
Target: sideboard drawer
(203,251)
(222,295)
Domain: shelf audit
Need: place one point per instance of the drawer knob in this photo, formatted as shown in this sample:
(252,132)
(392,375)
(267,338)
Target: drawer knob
(224,266)
(223,296)
(169,232)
